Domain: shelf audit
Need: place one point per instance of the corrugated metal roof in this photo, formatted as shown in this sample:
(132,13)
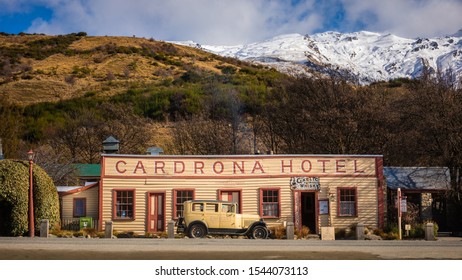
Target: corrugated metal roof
(89,170)
(417,178)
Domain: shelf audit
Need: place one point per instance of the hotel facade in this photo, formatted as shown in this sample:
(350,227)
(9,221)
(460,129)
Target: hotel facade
(141,193)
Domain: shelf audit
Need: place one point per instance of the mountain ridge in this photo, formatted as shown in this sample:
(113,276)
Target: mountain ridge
(364,57)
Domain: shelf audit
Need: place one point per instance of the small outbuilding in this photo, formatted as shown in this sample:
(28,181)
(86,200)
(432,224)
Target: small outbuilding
(424,189)
(79,202)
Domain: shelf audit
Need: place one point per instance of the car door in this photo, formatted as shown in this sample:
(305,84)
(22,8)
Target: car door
(212,215)
(227,215)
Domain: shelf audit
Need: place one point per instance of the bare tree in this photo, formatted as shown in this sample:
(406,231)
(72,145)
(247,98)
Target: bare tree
(10,127)
(434,112)
(201,136)
(321,116)
(83,132)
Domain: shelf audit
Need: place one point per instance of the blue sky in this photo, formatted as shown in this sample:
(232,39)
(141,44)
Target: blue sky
(230,21)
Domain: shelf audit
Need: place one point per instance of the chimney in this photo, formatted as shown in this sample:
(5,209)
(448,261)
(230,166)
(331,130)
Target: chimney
(111,145)
(155,151)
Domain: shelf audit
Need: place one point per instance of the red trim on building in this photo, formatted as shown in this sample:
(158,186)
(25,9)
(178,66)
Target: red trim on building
(174,214)
(100,195)
(298,209)
(244,177)
(380,192)
(355,189)
(239,157)
(261,201)
(84,188)
(316,212)
(221,191)
(114,201)
(148,209)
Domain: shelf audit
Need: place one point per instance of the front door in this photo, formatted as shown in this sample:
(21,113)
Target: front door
(308,210)
(156,215)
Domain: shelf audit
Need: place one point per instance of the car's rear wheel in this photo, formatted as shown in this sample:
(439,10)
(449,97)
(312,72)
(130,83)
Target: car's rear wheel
(259,232)
(197,231)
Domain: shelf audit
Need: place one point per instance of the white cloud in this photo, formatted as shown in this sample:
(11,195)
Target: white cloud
(410,18)
(205,21)
(240,21)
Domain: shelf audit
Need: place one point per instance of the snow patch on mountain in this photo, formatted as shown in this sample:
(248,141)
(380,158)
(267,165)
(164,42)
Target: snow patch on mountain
(363,57)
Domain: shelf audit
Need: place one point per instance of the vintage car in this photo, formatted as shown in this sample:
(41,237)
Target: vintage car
(202,217)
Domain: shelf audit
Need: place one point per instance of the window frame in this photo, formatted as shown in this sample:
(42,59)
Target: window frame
(74,208)
(261,202)
(339,196)
(220,197)
(175,195)
(114,205)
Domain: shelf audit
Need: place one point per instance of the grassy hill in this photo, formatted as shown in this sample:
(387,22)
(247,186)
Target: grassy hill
(40,68)
(55,82)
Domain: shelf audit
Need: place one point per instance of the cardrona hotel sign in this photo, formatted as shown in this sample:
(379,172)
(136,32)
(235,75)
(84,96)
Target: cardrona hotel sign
(230,167)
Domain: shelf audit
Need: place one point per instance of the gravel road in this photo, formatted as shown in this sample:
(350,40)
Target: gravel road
(23,248)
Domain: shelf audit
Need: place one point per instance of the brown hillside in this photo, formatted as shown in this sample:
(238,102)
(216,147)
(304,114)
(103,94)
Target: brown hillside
(32,71)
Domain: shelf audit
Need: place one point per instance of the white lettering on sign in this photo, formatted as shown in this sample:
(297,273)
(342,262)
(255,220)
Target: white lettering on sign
(403,205)
(305,183)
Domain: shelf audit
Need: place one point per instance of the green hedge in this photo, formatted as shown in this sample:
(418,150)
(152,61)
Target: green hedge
(14,197)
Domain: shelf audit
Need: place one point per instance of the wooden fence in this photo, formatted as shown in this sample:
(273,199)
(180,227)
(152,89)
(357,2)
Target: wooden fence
(74,224)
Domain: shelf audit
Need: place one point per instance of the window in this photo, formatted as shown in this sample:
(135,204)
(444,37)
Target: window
(198,207)
(124,206)
(231,196)
(211,207)
(269,201)
(80,207)
(347,202)
(227,208)
(181,196)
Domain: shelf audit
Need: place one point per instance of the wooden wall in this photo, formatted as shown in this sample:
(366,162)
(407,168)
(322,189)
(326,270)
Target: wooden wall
(143,179)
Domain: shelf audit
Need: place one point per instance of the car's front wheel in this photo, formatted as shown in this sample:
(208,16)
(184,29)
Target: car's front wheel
(259,232)
(197,231)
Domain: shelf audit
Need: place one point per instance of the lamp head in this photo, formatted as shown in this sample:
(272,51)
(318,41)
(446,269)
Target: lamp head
(30,155)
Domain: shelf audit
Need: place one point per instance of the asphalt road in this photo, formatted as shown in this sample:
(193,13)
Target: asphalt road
(24,248)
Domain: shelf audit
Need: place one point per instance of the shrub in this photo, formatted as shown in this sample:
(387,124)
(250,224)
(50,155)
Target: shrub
(390,236)
(91,232)
(389,233)
(14,197)
(62,233)
(280,232)
(80,72)
(70,79)
(303,233)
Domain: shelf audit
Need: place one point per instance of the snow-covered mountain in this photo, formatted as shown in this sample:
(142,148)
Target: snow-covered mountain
(361,56)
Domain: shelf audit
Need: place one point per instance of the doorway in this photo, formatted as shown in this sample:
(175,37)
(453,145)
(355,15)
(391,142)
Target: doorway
(308,210)
(156,212)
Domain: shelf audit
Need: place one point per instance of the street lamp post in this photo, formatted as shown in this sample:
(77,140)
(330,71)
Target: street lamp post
(30,155)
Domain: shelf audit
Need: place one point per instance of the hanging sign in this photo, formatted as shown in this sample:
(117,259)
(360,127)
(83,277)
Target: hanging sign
(305,183)
(403,204)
